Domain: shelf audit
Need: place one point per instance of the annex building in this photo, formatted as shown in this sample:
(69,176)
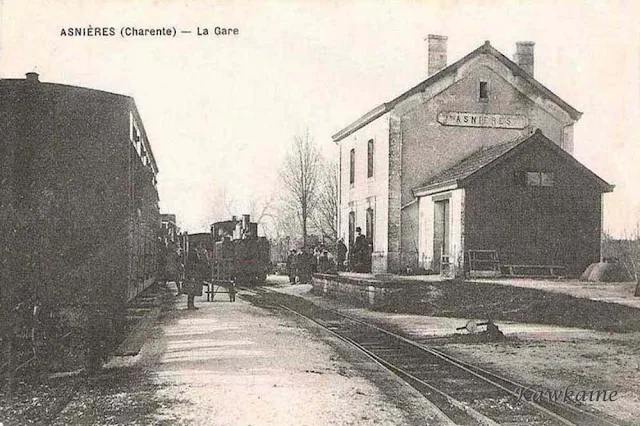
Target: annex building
(476,158)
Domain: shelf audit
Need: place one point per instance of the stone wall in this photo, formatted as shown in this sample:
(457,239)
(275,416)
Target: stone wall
(364,292)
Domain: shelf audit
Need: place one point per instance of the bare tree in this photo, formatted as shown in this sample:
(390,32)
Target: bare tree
(627,252)
(300,177)
(262,208)
(634,260)
(325,218)
(262,211)
(631,258)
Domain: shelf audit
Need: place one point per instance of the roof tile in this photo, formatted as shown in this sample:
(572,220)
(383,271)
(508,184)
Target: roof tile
(474,162)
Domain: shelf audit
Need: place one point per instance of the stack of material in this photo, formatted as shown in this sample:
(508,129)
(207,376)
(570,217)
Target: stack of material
(606,272)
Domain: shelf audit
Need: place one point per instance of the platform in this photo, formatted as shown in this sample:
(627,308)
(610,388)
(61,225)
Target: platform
(597,306)
(371,289)
(236,363)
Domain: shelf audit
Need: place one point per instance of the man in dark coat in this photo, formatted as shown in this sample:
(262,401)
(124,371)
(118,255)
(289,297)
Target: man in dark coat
(360,252)
(171,262)
(197,271)
(341,254)
(305,266)
(324,263)
(291,266)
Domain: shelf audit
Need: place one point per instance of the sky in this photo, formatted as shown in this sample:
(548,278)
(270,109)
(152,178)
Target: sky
(221,111)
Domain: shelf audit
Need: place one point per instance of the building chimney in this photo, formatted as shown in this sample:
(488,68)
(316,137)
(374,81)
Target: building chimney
(437,53)
(524,56)
(33,77)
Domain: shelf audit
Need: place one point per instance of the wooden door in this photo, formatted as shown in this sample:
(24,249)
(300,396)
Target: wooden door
(440,232)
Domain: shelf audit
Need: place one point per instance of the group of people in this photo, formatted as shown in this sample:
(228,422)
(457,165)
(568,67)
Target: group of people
(302,263)
(188,277)
(360,254)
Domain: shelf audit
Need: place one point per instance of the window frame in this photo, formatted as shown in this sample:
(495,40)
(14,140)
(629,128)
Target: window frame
(352,167)
(370,158)
(352,228)
(370,225)
(535,178)
(487,91)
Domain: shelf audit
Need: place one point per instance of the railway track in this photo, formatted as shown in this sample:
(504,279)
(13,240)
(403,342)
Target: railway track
(465,393)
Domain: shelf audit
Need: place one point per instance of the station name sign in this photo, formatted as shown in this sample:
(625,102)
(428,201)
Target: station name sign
(473,119)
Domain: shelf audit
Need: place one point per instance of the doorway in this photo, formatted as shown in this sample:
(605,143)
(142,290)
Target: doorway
(440,235)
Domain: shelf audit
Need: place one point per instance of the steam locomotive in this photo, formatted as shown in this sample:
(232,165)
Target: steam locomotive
(239,252)
(236,253)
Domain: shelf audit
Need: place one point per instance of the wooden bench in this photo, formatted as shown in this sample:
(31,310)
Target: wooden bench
(483,263)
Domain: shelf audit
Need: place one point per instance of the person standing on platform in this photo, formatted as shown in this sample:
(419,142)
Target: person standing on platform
(181,276)
(196,271)
(360,252)
(324,263)
(305,266)
(315,256)
(298,262)
(171,265)
(232,292)
(291,266)
(341,254)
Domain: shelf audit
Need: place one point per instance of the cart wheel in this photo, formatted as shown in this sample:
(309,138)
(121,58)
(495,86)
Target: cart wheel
(471,326)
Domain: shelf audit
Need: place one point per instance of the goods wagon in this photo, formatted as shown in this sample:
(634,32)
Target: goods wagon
(80,220)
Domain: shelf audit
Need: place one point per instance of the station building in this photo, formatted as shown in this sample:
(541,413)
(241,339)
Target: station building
(477,157)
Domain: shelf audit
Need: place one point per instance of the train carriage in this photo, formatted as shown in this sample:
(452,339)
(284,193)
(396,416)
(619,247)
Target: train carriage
(79,214)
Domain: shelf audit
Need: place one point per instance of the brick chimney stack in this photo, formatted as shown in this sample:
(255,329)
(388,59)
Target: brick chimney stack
(524,56)
(437,53)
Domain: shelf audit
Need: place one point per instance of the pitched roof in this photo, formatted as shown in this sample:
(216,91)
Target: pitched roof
(486,48)
(489,157)
(473,163)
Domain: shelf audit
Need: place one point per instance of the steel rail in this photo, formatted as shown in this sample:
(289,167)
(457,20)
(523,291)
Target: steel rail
(487,376)
(457,411)
(493,379)
(480,372)
(402,374)
(560,405)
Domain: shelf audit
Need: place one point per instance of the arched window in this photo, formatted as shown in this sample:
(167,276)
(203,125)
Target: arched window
(369,226)
(352,229)
(370,158)
(352,166)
